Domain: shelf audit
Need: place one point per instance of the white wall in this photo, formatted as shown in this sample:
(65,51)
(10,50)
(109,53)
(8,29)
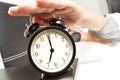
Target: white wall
(99,6)
(103,6)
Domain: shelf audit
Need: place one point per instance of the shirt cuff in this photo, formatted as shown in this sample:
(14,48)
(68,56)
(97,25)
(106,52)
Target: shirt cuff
(110,32)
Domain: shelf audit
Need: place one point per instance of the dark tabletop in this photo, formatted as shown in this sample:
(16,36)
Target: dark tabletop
(19,73)
(28,72)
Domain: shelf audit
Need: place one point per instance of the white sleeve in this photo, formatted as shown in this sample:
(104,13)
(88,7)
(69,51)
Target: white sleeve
(111,30)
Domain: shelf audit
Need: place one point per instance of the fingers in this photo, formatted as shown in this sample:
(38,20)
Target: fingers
(25,10)
(42,19)
(40,6)
(45,9)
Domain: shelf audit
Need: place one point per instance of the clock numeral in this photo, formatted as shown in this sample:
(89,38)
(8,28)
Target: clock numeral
(37,46)
(62,38)
(66,45)
(36,54)
(63,60)
(41,39)
(40,61)
(66,53)
(55,35)
(56,64)
(48,64)
(48,34)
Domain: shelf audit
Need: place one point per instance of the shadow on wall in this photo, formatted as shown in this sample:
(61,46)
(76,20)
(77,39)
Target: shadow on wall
(113,6)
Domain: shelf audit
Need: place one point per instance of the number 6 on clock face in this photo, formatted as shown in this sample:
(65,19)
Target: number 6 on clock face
(51,50)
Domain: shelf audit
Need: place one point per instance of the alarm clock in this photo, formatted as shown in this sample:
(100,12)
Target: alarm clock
(51,49)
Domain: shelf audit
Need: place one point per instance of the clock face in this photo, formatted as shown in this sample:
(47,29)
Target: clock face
(51,50)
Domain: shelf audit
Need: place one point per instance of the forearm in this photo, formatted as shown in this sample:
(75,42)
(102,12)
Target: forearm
(92,20)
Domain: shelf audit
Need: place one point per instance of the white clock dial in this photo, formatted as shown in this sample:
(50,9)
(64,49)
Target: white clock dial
(52,50)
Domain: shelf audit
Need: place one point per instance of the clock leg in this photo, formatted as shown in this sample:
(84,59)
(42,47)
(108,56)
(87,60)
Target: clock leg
(42,76)
(71,67)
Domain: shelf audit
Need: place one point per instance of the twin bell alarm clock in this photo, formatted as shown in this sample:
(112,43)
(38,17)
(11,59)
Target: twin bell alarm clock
(51,49)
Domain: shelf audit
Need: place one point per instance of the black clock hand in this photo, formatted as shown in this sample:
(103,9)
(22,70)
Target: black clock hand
(51,50)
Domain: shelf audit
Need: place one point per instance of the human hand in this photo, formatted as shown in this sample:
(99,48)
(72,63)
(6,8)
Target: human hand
(44,10)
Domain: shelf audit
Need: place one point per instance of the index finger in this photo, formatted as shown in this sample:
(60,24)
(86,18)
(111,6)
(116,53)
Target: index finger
(40,6)
(25,10)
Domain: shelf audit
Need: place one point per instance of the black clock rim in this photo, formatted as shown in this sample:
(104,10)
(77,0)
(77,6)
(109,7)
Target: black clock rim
(49,73)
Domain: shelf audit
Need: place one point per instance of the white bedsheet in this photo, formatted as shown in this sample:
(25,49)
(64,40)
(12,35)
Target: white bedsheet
(98,62)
